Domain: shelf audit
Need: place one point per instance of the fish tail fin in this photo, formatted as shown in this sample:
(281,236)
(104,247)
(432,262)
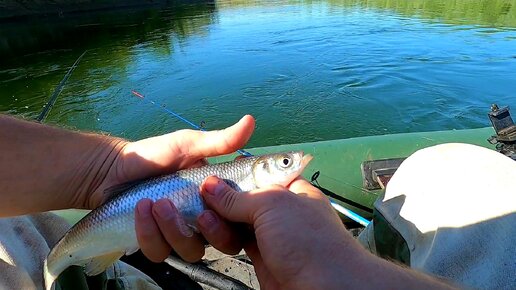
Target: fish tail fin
(53,266)
(49,276)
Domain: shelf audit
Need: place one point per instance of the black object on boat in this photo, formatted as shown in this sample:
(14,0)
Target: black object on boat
(377,173)
(329,193)
(505,138)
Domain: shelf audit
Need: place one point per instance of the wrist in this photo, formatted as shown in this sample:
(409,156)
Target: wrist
(65,167)
(336,266)
(369,271)
(347,263)
(97,171)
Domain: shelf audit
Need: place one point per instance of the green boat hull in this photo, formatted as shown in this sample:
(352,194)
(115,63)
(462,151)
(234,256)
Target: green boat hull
(339,161)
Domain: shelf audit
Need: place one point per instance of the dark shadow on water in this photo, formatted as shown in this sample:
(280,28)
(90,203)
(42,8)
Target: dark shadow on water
(87,30)
(36,52)
(15,9)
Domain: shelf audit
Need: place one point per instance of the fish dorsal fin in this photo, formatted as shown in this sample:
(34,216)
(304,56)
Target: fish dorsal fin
(99,264)
(115,190)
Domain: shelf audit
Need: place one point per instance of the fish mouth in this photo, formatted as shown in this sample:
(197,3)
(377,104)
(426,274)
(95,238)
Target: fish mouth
(305,160)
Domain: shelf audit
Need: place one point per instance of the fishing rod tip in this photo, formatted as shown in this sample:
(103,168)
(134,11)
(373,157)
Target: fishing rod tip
(137,94)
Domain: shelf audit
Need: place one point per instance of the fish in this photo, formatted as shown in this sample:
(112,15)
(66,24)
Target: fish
(108,232)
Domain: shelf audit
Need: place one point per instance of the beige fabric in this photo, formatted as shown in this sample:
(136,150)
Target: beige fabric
(130,277)
(24,244)
(231,266)
(455,205)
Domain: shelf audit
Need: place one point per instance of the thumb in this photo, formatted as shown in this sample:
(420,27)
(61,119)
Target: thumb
(218,142)
(228,203)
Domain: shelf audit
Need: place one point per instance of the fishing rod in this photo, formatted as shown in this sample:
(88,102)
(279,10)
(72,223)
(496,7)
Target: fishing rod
(350,214)
(347,212)
(58,90)
(202,274)
(240,151)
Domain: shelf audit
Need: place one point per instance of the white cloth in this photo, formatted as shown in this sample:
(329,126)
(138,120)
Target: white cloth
(25,242)
(455,206)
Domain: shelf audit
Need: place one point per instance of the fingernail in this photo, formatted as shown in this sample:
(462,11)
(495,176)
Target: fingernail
(144,207)
(184,229)
(214,185)
(208,220)
(165,210)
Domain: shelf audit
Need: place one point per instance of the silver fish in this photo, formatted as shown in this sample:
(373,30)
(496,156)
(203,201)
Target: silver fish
(107,233)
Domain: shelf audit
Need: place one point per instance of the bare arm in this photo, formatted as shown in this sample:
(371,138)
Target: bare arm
(376,273)
(44,168)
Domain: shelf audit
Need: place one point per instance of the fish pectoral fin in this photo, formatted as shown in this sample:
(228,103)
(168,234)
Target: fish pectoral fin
(99,264)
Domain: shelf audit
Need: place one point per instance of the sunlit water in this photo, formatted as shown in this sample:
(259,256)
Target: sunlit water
(306,70)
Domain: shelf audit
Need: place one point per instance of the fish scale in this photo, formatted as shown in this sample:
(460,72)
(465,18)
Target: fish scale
(108,232)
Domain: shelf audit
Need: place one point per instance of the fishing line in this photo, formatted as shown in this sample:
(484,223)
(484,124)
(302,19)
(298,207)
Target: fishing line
(347,212)
(342,199)
(348,184)
(58,90)
(201,128)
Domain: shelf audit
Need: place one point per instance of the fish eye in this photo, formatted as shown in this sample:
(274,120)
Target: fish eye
(285,162)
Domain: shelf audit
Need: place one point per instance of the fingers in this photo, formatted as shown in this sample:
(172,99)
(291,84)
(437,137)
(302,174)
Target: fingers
(200,162)
(178,150)
(238,206)
(213,143)
(302,186)
(177,233)
(245,207)
(159,228)
(219,233)
(225,201)
(265,277)
(151,242)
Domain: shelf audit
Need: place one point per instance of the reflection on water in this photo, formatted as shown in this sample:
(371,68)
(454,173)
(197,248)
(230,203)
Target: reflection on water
(496,13)
(37,53)
(97,29)
(309,70)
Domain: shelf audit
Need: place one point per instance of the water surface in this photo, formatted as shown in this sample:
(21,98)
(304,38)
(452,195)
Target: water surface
(307,70)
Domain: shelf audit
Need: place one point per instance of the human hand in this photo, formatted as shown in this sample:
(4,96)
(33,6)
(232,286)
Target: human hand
(169,153)
(295,242)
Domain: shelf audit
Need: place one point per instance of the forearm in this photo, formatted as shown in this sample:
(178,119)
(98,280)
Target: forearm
(366,271)
(383,274)
(347,265)
(44,168)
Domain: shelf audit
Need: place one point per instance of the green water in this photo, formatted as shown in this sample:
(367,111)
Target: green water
(309,70)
